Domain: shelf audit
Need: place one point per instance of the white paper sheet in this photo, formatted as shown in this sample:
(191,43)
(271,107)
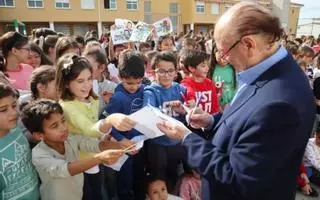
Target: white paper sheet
(139,141)
(120,35)
(117,166)
(141,32)
(147,119)
(127,24)
(163,26)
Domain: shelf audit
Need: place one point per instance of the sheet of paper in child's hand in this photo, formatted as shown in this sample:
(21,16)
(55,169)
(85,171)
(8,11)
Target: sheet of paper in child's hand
(147,119)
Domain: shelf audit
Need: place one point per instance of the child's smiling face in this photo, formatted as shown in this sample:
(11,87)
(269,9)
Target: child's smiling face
(165,73)
(81,86)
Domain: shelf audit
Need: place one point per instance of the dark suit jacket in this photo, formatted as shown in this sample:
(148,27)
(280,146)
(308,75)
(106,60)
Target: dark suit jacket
(260,139)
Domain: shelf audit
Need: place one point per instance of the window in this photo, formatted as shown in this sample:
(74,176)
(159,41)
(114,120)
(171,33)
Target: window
(174,20)
(63,28)
(62,4)
(87,4)
(200,7)
(215,9)
(132,4)
(147,6)
(35,3)
(173,8)
(6,3)
(80,29)
(110,4)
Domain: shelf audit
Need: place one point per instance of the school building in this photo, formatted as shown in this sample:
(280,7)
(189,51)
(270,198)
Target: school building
(76,17)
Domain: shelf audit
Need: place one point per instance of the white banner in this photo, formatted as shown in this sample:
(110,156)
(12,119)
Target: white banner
(127,24)
(120,35)
(163,27)
(141,32)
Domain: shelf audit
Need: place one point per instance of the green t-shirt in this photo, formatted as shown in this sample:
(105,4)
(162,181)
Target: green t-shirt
(18,177)
(224,77)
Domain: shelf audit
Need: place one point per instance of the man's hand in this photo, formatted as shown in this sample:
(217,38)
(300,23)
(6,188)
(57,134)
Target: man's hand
(177,107)
(175,131)
(198,118)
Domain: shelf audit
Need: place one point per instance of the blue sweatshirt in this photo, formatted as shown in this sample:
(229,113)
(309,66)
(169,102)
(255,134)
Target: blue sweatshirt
(159,96)
(125,103)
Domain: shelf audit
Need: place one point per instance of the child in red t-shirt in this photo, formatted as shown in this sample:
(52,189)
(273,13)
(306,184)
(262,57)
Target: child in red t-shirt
(197,84)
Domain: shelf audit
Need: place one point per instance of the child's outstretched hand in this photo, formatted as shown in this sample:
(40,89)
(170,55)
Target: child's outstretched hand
(111,144)
(127,143)
(109,157)
(177,107)
(120,121)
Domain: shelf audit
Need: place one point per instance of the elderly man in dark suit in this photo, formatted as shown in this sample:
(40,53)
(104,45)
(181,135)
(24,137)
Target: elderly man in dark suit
(258,142)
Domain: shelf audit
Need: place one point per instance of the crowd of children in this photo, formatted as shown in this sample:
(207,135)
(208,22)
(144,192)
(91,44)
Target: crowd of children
(65,103)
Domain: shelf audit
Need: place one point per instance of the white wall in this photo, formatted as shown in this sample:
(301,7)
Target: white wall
(309,30)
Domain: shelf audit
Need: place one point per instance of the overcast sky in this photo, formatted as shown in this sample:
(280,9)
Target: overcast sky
(310,9)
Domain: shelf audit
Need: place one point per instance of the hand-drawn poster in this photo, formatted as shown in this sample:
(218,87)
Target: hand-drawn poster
(141,32)
(163,27)
(120,35)
(127,24)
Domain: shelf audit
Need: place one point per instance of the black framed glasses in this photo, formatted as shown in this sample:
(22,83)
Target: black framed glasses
(161,72)
(224,55)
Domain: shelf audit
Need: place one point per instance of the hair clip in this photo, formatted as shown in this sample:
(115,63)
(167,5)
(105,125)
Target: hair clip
(75,59)
(67,66)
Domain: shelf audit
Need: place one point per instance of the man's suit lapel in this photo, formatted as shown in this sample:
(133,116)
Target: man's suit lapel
(243,97)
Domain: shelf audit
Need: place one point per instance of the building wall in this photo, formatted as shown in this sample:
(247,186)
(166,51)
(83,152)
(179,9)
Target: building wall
(122,12)
(281,9)
(294,12)
(75,14)
(48,13)
(309,29)
(207,17)
(187,11)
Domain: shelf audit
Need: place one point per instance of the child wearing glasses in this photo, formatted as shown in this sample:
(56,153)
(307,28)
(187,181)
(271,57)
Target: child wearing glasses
(165,155)
(16,51)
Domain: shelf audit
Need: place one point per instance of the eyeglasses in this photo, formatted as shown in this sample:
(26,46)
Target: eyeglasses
(161,72)
(224,55)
